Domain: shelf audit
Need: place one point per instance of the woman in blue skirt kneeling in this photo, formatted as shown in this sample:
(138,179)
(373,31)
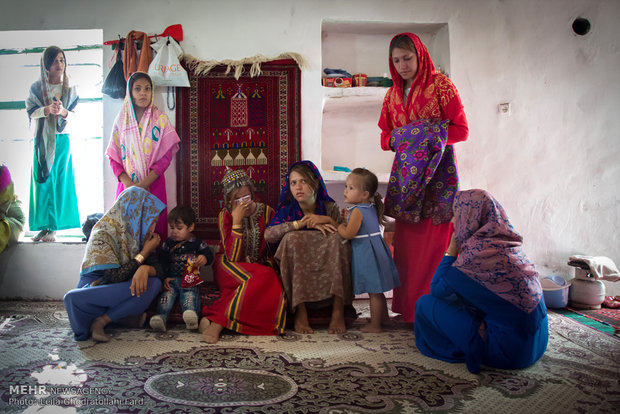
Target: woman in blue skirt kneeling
(486,305)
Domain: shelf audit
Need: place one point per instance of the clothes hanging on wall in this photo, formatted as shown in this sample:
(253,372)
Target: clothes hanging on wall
(115,83)
(133,62)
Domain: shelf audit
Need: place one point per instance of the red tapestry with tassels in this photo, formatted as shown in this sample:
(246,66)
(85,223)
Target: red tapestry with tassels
(250,123)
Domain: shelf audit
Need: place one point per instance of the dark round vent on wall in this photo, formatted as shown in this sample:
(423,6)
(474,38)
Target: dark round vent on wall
(581,26)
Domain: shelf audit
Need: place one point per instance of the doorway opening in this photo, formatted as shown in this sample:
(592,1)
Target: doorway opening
(20,57)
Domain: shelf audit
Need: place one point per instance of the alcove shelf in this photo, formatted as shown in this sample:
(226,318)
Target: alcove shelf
(350,136)
(374,91)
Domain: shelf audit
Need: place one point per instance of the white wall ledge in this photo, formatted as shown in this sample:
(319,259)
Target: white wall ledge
(41,271)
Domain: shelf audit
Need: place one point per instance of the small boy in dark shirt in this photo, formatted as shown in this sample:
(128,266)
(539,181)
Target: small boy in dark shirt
(182,256)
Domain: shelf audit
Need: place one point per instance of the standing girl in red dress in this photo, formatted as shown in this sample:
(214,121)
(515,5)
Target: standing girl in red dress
(418,93)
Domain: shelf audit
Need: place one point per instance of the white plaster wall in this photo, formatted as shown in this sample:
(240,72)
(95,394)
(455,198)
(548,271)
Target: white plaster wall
(552,162)
(40,271)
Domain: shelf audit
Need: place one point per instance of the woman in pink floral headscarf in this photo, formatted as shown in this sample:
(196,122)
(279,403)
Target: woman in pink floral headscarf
(143,143)
(486,304)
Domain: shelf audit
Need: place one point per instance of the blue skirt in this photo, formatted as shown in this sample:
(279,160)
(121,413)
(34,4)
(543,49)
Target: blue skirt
(85,304)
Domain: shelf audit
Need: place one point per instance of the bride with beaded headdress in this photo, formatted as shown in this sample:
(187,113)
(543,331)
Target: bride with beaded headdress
(251,300)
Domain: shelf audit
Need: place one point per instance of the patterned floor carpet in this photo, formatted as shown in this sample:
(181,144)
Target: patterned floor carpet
(43,370)
(608,316)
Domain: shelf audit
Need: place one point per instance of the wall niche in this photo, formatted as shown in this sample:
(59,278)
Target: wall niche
(349,132)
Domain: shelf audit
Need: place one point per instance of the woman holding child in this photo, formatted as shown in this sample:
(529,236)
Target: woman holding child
(120,276)
(315,264)
(419,92)
(251,299)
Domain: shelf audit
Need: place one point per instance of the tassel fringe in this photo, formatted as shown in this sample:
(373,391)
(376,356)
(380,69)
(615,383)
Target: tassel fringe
(202,67)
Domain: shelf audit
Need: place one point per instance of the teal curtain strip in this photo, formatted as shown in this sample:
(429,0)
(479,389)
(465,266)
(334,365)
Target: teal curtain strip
(12,105)
(41,49)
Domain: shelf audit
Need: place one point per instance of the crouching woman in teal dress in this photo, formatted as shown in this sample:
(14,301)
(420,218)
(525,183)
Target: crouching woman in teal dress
(486,305)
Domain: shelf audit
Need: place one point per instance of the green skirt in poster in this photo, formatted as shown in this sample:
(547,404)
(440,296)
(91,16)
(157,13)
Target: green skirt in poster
(53,203)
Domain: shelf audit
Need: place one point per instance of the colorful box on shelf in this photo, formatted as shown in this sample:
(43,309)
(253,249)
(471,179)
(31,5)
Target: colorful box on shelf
(360,79)
(337,82)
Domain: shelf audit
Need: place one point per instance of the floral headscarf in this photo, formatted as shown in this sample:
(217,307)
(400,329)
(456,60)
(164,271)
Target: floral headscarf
(138,150)
(432,95)
(121,232)
(422,100)
(490,251)
(48,126)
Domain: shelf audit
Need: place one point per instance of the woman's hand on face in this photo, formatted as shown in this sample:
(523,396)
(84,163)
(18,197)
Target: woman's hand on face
(151,243)
(239,211)
(139,281)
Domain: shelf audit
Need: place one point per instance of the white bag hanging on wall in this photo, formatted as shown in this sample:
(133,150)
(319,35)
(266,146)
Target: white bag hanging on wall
(165,69)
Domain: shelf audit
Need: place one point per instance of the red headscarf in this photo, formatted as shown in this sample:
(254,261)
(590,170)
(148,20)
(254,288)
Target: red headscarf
(432,96)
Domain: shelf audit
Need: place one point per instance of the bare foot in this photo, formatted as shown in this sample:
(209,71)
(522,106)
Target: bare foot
(49,237)
(211,334)
(40,235)
(204,323)
(303,328)
(302,325)
(336,324)
(370,328)
(96,329)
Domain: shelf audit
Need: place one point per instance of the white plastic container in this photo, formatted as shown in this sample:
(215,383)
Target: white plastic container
(555,291)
